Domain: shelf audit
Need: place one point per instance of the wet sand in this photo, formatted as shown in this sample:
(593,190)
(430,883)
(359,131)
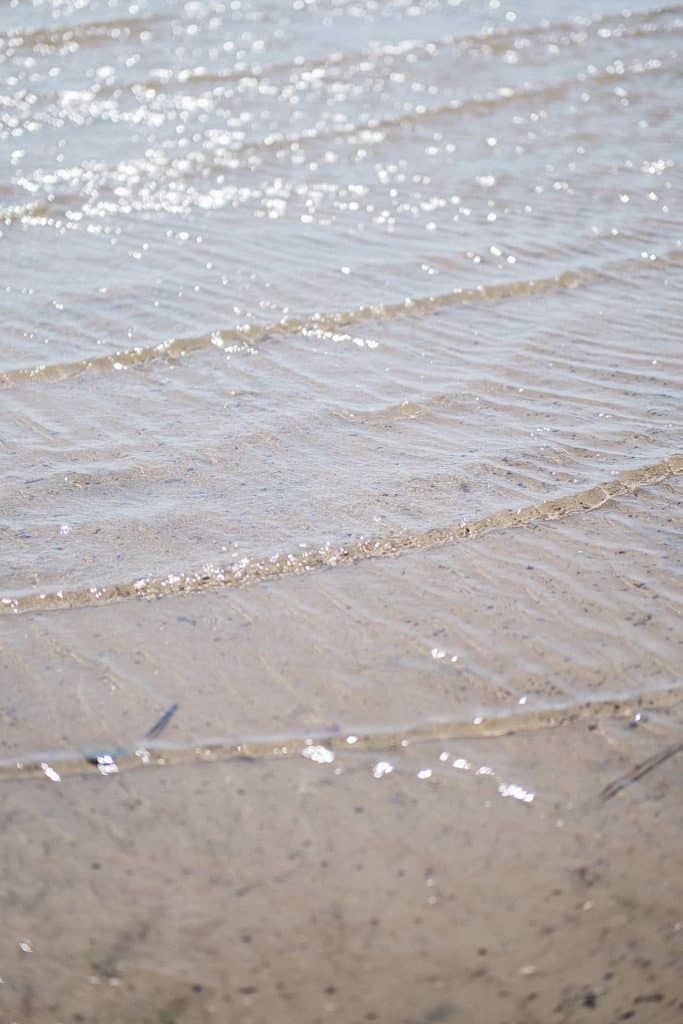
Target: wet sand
(290,890)
(340,412)
(466,867)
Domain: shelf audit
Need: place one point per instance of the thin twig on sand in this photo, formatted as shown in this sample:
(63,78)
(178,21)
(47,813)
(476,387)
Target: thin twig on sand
(159,726)
(640,769)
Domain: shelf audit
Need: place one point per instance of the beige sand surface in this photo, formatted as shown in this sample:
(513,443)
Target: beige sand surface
(297,891)
(436,865)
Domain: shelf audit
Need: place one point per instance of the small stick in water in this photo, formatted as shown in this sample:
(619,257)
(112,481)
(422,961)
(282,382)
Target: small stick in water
(640,769)
(159,726)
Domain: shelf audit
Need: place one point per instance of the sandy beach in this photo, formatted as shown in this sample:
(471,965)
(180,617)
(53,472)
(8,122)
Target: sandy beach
(341,481)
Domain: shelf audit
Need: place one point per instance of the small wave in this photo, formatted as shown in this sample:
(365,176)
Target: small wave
(87,31)
(258,570)
(252,334)
(334,742)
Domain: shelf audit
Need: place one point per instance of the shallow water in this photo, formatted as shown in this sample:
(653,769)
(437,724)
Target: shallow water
(279,274)
(352,333)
